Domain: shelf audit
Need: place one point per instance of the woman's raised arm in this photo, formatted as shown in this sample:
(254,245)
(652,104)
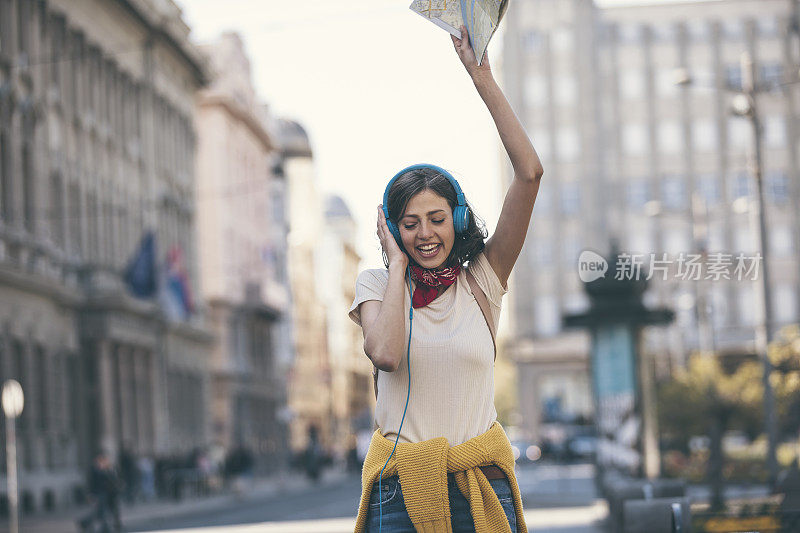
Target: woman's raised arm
(503,247)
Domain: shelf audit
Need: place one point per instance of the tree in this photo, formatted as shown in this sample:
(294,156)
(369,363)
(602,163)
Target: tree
(703,399)
(784,353)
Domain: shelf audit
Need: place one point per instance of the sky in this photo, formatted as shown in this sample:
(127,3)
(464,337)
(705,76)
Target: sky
(376,86)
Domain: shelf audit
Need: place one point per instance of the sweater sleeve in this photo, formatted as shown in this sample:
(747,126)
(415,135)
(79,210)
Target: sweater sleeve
(370,285)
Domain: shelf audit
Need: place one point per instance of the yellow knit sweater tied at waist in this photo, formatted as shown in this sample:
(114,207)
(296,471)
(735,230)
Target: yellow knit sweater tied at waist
(422,468)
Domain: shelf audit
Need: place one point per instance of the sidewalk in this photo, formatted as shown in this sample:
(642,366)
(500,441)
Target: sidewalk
(285,483)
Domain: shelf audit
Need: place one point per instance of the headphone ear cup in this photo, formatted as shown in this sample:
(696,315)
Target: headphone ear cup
(460,218)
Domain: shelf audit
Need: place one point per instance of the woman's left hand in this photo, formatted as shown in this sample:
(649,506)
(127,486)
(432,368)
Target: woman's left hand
(467,55)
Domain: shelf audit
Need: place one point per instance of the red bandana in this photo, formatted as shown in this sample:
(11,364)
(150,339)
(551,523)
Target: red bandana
(427,281)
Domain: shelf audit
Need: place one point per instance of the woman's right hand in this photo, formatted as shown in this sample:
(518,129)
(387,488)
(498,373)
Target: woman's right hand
(389,245)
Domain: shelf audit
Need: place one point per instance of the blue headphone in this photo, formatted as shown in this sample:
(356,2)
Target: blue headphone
(460,211)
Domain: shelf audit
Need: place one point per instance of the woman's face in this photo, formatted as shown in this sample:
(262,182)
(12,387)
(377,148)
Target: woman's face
(426,229)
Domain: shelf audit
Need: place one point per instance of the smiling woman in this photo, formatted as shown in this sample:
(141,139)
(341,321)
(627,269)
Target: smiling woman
(446,280)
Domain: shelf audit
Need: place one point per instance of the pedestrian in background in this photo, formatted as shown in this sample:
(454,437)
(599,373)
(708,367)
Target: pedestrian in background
(129,471)
(104,486)
(313,458)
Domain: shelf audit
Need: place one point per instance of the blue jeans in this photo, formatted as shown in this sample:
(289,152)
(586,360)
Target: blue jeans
(396,519)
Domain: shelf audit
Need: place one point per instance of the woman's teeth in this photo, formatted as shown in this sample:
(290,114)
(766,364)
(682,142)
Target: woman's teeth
(429,251)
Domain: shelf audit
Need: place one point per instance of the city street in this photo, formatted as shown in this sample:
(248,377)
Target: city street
(557,498)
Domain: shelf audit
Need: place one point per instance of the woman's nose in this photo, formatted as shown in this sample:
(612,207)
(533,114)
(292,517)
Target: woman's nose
(425,230)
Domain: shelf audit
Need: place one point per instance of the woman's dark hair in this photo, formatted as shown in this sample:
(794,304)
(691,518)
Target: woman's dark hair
(467,244)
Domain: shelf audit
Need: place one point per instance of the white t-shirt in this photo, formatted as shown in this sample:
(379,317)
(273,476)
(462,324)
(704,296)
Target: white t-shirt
(452,360)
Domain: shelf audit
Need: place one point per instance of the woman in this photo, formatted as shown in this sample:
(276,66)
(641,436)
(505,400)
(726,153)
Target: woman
(438,436)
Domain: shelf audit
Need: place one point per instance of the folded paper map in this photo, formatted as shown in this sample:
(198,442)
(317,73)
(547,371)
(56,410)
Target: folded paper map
(481,17)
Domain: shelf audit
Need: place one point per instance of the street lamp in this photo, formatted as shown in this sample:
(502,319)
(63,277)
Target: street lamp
(744,105)
(13,401)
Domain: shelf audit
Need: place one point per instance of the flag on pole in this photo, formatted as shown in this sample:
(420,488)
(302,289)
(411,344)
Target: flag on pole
(140,274)
(178,301)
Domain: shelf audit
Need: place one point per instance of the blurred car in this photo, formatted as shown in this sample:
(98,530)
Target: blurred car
(526,452)
(582,447)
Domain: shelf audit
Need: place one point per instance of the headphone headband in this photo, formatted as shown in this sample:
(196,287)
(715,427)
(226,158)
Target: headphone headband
(460,201)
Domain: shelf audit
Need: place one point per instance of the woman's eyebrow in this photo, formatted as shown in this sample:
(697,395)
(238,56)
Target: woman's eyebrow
(429,213)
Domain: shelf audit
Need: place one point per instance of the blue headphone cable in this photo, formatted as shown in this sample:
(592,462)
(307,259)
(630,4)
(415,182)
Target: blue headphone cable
(408,395)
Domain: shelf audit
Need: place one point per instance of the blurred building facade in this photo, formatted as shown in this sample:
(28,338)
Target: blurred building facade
(242,235)
(311,375)
(352,396)
(96,150)
(660,168)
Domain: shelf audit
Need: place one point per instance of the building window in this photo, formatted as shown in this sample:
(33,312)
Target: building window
(708,187)
(544,201)
(631,84)
(532,41)
(547,315)
(733,77)
(535,90)
(665,81)
(733,29)
(744,239)
(705,135)
(740,185)
(699,30)
(74,219)
(670,137)
(785,304)
(767,26)
(5,28)
(41,371)
(780,240)
(771,75)
(703,75)
(541,251)
(664,33)
(23,28)
(93,244)
(639,240)
(565,90)
(56,220)
(747,315)
(570,198)
(638,193)
(562,39)
(776,186)
(716,237)
(571,250)
(775,131)
(542,142)
(739,133)
(635,139)
(673,190)
(630,34)
(20,373)
(28,187)
(719,305)
(57,51)
(6,180)
(676,240)
(569,144)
